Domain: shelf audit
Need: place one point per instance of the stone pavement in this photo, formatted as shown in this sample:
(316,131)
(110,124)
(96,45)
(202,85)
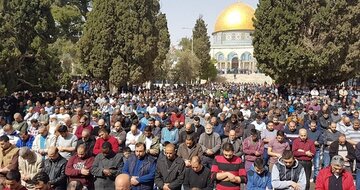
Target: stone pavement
(245,78)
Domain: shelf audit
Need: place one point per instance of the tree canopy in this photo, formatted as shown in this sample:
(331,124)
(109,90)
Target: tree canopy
(202,49)
(308,41)
(123,40)
(27,28)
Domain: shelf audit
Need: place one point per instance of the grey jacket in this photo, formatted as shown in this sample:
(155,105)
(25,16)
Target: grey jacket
(282,177)
(214,142)
(174,174)
(114,163)
(238,150)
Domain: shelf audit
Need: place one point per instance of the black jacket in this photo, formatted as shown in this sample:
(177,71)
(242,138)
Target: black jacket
(334,149)
(174,174)
(56,171)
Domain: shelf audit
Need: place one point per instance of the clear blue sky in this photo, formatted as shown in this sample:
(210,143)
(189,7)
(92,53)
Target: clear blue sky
(183,14)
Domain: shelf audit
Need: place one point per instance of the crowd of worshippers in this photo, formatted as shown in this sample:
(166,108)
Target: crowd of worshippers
(218,136)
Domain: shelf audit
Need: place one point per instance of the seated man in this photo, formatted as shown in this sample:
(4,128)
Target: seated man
(107,165)
(25,140)
(30,163)
(66,142)
(9,155)
(43,141)
(198,176)
(54,166)
(13,181)
(105,137)
(141,167)
(152,142)
(41,181)
(78,167)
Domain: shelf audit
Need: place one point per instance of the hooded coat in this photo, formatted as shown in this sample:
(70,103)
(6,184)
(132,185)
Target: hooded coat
(257,181)
(282,177)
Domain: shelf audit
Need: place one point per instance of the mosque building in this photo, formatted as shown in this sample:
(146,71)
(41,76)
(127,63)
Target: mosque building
(232,41)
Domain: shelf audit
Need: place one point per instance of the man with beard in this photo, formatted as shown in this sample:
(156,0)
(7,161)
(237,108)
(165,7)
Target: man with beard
(198,176)
(78,167)
(189,149)
(288,174)
(119,133)
(253,148)
(188,131)
(234,124)
(105,137)
(55,166)
(276,147)
(353,134)
(84,123)
(141,167)
(345,149)
(238,151)
(291,132)
(315,135)
(30,163)
(277,124)
(198,128)
(324,120)
(329,136)
(152,143)
(218,128)
(170,170)
(335,116)
(13,181)
(87,140)
(107,165)
(210,143)
(228,170)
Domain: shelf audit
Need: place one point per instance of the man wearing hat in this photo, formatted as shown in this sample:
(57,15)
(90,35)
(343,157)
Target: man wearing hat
(335,177)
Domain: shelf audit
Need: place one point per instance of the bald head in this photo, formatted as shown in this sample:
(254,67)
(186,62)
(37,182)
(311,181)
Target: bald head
(303,134)
(122,182)
(232,135)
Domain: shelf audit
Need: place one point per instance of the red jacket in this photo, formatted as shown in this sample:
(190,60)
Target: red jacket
(112,140)
(174,117)
(73,170)
(322,180)
(80,128)
(307,145)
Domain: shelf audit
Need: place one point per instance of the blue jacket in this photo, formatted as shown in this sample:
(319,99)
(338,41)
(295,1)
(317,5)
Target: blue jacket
(219,129)
(145,169)
(258,182)
(20,143)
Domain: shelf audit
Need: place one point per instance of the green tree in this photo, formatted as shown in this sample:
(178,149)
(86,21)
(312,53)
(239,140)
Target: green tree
(307,41)
(163,46)
(26,61)
(202,48)
(186,68)
(121,41)
(186,44)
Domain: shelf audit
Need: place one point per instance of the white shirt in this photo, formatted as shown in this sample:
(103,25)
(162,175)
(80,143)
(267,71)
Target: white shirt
(131,137)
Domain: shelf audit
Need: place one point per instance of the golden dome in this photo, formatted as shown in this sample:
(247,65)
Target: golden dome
(237,16)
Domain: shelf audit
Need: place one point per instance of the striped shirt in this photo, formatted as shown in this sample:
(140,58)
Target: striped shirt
(235,166)
(353,134)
